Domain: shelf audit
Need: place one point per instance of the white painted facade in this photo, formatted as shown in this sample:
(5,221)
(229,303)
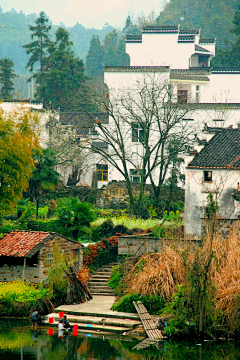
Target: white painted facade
(197,190)
(182,59)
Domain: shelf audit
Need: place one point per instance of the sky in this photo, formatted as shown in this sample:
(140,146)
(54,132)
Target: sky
(89,13)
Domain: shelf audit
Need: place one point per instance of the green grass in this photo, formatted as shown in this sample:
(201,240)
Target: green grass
(129,222)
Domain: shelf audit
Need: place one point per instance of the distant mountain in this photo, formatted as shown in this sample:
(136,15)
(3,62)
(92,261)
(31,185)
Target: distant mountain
(14,33)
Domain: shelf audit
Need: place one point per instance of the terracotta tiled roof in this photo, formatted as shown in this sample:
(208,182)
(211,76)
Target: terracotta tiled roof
(22,243)
(221,152)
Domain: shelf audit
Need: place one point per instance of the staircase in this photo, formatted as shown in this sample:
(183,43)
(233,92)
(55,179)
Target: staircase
(98,282)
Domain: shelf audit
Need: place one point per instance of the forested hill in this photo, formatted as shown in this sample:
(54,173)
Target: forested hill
(14,33)
(214,17)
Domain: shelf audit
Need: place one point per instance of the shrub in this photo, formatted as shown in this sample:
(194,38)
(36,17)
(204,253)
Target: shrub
(152,303)
(104,230)
(103,253)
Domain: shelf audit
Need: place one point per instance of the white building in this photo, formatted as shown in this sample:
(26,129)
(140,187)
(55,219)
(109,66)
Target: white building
(181,59)
(213,168)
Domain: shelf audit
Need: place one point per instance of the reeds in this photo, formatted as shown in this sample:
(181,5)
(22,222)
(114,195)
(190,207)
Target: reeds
(163,271)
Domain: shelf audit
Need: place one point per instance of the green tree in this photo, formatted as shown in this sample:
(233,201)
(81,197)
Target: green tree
(114,49)
(63,82)
(94,60)
(38,48)
(130,28)
(17,142)
(231,57)
(44,177)
(7,75)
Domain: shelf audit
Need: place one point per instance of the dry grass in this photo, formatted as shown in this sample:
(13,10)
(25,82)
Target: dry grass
(159,274)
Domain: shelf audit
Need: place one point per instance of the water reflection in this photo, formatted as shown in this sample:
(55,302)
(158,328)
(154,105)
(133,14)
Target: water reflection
(19,341)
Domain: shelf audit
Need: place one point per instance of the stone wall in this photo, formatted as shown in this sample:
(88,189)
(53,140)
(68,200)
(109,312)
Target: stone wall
(11,273)
(114,195)
(68,248)
(143,244)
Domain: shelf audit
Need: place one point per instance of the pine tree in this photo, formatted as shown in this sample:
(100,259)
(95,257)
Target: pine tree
(130,28)
(7,74)
(62,82)
(94,60)
(110,48)
(38,47)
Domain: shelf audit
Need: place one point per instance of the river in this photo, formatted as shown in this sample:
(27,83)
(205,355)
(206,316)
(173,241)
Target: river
(18,341)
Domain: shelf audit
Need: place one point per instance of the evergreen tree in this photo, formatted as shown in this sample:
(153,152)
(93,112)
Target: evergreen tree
(7,74)
(40,42)
(232,57)
(110,48)
(63,81)
(130,28)
(94,60)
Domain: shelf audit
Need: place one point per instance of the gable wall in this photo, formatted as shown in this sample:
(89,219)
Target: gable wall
(62,245)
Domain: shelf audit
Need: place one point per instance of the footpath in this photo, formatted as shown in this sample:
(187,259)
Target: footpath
(96,316)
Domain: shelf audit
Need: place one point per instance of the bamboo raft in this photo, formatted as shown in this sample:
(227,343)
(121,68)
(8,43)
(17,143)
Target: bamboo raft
(148,324)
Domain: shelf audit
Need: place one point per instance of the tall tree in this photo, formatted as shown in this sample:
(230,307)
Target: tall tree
(130,28)
(7,75)
(44,177)
(17,143)
(94,60)
(114,49)
(63,82)
(40,42)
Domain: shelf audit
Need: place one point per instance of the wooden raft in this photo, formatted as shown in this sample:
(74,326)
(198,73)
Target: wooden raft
(148,324)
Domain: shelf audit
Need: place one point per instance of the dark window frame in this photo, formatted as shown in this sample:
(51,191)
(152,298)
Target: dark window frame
(207,176)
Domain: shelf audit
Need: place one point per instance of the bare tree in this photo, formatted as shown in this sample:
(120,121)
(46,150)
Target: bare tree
(146,133)
(70,154)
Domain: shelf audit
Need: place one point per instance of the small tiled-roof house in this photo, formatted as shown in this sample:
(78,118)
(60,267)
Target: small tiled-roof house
(28,254)
(214,167)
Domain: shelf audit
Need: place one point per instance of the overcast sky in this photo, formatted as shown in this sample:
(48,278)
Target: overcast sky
(90,13)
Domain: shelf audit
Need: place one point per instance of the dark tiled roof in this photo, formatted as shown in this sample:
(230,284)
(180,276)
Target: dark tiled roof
(83,122)
(207,41)
(199,48)
(191,77)
(133,38)
(160,29)
(221,152)
(189,32)
(193,71)
(136,68)
(226,70)
(22,243)
(186,38)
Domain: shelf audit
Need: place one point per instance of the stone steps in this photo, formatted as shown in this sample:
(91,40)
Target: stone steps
(98,281)
(96,323)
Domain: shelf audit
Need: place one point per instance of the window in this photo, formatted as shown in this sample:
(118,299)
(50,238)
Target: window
(135,175)
(197,94)
(102,172)
(137,133)
(219,122)
(182,96)
(49,258)
(207,176)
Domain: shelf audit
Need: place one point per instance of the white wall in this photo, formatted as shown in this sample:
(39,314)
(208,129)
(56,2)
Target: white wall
(196,192)
(160,50)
